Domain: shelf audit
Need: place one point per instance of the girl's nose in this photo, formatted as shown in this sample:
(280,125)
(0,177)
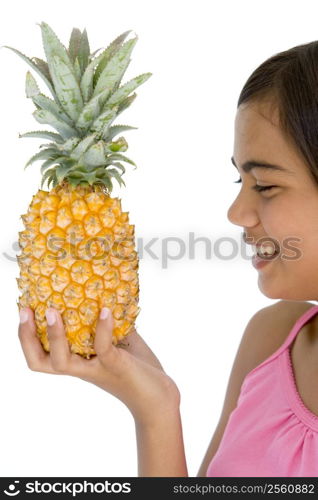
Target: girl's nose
(243,212)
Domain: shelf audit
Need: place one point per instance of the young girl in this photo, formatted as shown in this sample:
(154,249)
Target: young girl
(269,422)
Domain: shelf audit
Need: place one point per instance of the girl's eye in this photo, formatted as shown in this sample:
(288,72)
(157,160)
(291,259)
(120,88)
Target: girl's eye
(257,187)
(240,180)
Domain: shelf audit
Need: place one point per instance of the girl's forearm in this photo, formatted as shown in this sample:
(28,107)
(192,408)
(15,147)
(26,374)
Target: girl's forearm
(160,446)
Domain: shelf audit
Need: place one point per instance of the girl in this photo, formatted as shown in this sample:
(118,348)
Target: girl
(269,422)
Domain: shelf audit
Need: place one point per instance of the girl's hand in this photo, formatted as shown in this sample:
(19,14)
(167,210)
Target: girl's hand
(132,373)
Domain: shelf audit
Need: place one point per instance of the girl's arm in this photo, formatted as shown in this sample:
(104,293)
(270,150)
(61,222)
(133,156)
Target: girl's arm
(160,446)
(133,374)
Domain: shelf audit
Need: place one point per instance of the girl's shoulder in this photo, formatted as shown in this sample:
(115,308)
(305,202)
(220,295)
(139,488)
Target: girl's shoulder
(284,315)
(279,320)
(270,326)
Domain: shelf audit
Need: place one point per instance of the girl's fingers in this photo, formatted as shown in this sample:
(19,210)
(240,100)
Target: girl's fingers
(60,360)
(36,358)
(60,353)
(104,336)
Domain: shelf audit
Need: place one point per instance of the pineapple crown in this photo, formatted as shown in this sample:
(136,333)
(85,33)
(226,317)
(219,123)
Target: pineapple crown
(86,99)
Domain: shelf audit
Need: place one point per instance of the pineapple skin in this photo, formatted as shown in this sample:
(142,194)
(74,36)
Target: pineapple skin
(78,255)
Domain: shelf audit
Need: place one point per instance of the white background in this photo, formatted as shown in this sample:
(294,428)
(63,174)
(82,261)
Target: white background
(193,312)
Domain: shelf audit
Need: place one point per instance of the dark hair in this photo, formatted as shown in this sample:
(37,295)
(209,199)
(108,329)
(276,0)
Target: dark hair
(289,80)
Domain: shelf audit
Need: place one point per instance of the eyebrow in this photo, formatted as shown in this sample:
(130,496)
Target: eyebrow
(248,165)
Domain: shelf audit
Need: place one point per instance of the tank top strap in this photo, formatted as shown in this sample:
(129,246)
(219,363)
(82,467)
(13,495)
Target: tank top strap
(304,318)
(301,321)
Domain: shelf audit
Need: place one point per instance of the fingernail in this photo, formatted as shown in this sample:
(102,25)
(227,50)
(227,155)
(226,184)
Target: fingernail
(23,316)
(50,317)
(104,313)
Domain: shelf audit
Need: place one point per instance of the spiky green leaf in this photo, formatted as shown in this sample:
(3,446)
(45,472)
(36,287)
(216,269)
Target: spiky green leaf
(44,116)
(77,71)
(104,120)
(108,53)
(36,68)
(52,180)
(82,146)
(66,87)
(117,129)
(126,103)
(93,54)
(77,173)
(116,86)
(119,166)
(44,134)
(53,47)
(95,155)
(69,145)
(44,67)
(99,172)
(31,87)
(90,178)
(47,174)
(45,154)
(48,163)
(87,78)
(102,178)
(112,73)
(82,175)
(118,156)
(44,102)
(91,111)
(61,172)
(117,146)
(114,173)
(74,181)
(49,145)
(108,183)
(84,51)
(124,91)
(74,44)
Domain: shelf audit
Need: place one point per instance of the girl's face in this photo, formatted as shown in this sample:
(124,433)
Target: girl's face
(286,214)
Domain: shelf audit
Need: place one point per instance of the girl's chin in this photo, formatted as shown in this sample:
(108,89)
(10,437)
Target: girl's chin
(278,292)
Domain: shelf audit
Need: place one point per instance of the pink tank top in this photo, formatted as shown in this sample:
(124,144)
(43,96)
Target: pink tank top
(270,433)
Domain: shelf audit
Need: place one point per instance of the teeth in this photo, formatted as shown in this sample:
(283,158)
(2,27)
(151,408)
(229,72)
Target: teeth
(266,250)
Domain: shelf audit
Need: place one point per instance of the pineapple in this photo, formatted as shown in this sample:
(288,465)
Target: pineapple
(77,247)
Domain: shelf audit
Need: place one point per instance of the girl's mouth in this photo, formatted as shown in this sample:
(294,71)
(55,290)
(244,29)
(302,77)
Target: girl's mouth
(261,260)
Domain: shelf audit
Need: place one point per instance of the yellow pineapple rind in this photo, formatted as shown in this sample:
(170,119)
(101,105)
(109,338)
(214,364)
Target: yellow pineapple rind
(78,255)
